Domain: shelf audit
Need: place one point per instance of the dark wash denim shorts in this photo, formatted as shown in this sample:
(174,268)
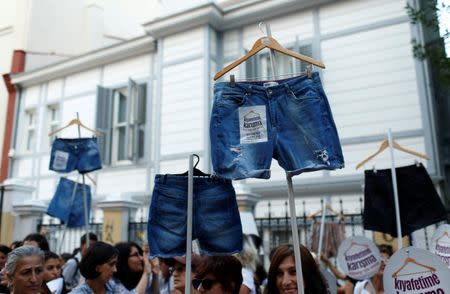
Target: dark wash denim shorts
(251,123)
(215,222)
(80,154)
(67,203)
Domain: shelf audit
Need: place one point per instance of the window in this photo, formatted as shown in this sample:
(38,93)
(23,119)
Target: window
(259,66)
(30,129)
(52,121)
(121,115)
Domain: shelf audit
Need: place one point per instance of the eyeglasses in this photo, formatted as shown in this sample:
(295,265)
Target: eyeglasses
(179,269)
(205,283)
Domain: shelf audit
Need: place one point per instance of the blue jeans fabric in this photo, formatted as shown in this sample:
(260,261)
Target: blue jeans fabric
(216,222)
(251,123)
(67,203)
(80,154)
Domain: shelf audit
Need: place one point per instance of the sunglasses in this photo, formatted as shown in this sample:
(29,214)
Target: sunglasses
(205,283)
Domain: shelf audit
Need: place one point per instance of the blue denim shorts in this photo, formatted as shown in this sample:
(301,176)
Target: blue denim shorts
(215,220)
(253,122)
(67,203)
(80,154)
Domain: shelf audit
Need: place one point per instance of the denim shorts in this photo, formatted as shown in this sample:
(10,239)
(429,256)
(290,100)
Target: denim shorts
(215,219)
(80,154)
(67,203)
(253,122)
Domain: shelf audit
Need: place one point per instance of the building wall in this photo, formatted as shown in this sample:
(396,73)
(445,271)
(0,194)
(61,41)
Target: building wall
(372,82)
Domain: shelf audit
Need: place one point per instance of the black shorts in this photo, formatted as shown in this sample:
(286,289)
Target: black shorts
(420,205)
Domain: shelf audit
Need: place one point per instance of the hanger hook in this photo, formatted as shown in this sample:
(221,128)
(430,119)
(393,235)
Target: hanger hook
(198,160)
(261,29)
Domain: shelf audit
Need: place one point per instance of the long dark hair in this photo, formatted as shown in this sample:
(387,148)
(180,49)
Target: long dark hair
(227,269)
(313,279)
(97,254)
(124,274)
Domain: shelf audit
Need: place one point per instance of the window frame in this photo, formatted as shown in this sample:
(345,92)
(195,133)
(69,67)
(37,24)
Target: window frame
(30,128)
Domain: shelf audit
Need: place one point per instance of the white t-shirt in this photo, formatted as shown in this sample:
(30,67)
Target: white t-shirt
(364,287)
(248,280)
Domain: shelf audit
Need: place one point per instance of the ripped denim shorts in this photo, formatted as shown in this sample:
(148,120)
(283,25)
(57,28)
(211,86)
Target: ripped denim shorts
(253,122)
(80,154)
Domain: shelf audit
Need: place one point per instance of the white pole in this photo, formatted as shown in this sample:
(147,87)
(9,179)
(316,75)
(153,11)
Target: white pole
(271,54)
(86,217)
(322,227)
(295,238)
(187,285)
(395,189)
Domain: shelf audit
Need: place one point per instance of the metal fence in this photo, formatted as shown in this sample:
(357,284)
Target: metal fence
(273,230)
(65,240)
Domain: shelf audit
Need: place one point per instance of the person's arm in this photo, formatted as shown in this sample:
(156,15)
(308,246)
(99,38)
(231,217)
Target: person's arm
(244,290)
(337,273)
(151,271)
(348,287)
(155,272)
(69,272)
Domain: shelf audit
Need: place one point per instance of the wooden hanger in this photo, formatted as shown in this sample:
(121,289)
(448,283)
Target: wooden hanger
(328,207)
(78,122)
(412,260)
(384,145)
(271,43)
(91,179)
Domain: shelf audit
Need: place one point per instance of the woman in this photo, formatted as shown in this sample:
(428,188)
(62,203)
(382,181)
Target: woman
(25,271)
(282,273)
(37,240)
(218,275)
(52,269)
(179,272)
(98,267)
(248,258)
(134,271)
(375,284)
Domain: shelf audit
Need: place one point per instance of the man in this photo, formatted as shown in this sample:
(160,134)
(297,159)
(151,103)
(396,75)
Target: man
(71,272)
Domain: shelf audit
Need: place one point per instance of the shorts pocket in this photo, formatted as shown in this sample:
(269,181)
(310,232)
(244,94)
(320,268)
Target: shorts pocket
(232,99)
(170,212)
(306,93)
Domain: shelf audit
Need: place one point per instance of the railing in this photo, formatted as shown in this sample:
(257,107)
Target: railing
(64,240)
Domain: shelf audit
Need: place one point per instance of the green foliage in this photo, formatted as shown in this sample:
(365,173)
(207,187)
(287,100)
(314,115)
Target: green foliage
(429,16)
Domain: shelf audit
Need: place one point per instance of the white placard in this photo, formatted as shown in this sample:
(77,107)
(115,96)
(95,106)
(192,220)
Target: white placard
(440,243)
(359,257)
(331,281)
(416,271)
(56,286)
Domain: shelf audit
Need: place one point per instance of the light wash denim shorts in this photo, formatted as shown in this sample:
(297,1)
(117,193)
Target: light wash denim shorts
(253,122)
(80,154)
(69,210)
(215,223)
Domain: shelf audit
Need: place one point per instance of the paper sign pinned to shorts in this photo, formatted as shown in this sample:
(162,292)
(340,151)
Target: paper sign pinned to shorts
(253,124)
(60,161)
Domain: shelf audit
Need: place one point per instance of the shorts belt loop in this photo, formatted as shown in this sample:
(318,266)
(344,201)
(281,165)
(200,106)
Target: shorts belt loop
(164,179)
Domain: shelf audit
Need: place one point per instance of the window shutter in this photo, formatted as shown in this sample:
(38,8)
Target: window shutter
(104,121)
(141,104)
(140,119)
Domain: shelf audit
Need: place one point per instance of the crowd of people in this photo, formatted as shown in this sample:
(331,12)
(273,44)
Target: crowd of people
(29,267)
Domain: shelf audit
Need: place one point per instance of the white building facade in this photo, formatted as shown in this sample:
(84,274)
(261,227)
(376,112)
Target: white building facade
(152,97)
